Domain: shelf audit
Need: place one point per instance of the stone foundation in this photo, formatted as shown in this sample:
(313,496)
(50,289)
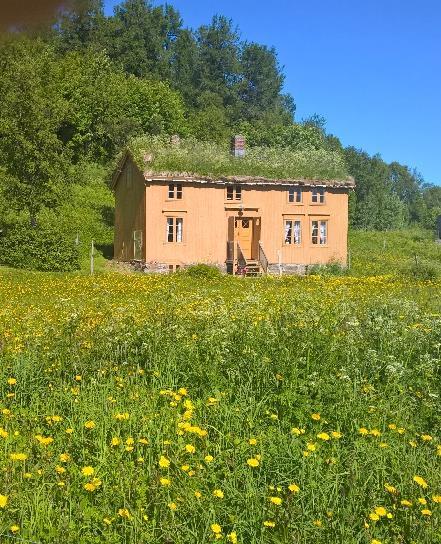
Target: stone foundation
(287,269)
(154,267)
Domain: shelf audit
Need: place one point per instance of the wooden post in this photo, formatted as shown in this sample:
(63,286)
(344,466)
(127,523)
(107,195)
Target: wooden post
(92,255)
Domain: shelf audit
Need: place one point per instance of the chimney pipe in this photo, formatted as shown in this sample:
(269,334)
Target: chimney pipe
(238,146)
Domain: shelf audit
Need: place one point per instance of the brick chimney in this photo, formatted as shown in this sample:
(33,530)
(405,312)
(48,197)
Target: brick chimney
(238,146)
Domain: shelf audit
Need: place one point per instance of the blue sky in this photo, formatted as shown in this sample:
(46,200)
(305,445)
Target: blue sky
(372,68)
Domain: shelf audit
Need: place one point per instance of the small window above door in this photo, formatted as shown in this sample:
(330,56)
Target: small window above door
(234,192)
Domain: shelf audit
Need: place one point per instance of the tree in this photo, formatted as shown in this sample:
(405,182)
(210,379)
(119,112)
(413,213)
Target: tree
(142,37)
(81,26)
(219,66)
(33,160)
(261,81)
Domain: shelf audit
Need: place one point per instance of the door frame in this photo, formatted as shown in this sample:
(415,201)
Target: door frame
(255,234)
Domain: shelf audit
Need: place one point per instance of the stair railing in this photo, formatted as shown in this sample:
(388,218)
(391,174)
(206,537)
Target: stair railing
(263,260)
(241,261)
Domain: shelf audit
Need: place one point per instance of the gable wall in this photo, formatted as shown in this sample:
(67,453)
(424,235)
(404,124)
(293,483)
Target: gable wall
(129,211)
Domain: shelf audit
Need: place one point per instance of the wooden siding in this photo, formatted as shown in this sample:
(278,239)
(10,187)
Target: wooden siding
(129,212)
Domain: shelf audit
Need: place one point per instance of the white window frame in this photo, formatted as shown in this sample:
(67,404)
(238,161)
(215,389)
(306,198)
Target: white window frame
(174,191)
(318,195)
(233,193)
(295,195)
(292,232)
(319,232)
(174,230)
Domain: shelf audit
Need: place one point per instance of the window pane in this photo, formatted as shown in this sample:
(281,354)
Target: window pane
(171,191)
(314,195)
(323,232)
(170,229)
(238,193)
(230,193)
(314,232)
(179,222)
(179,191)
(322,195)
(298,195)
(288,232)
(291,195)
(297,233)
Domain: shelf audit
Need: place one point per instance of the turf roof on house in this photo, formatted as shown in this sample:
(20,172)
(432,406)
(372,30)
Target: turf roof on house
(206,161)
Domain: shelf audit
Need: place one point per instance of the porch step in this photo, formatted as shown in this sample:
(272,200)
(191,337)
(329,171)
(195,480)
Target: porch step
(253,269)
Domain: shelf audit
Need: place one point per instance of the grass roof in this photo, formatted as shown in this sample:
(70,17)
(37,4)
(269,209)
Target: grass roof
(191,158)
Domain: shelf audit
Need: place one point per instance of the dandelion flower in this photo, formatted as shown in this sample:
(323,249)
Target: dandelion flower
(189,448)
(14,529)
(269,523)
(294,488)
(216,528)
(252,441)
(275,500)
(420,481)
(252,462)
(390,489)
(164,462)
(12,381)
(165,482)
(316,417)
(64,457)
(3,501)
(406,503)
(208,458)
(323,436)
(426,512)
(124,513)
(218,493)
(381,511)
(172,505)
(90,424)
(232,537)
(87,471)
(436,498)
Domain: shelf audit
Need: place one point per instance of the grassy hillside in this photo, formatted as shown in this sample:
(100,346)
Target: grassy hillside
(393,252)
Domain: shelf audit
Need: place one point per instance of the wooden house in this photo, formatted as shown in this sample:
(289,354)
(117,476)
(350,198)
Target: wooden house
(240,223)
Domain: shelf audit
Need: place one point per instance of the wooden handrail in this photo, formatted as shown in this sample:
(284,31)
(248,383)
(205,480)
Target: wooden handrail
(241,261)
(263,260)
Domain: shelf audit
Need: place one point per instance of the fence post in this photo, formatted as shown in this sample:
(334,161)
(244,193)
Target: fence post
(92,255)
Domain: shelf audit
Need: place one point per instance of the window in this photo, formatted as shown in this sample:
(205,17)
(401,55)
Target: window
(174,229)
(175,191)
(234,192)
(137,245)
(318,195)
(295,195)
(293,232)
(319,232)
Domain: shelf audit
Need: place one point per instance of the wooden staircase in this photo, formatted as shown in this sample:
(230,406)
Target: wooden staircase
(252,269)
(241,266)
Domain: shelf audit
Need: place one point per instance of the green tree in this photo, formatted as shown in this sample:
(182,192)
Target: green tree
(33,160)
(141,38)
(219,66)
(82,25)
(261,81)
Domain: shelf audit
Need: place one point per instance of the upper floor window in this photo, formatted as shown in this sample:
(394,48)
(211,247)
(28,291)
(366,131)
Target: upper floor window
(318,195)
(175,191)
(234,192)
(295,195)
(319,232)
(175,229)
(293,232)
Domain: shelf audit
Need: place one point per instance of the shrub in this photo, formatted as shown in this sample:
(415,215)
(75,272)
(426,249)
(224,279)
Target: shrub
(203,271)
(331,269)
(39,248)
(422,271)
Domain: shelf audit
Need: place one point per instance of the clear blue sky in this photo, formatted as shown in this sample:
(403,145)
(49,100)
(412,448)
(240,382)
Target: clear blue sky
(372,68)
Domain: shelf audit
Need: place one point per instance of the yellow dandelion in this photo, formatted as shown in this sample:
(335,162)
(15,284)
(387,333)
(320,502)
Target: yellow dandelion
(164,462)
(316,417)
(436,498)
(87,471)
(218,493)
(426,512)
(124,513)
(294,488)
(216,528)
(252,441)
(64,457)
(12,381)
(275,500)
(189,448)
(3,501)
(252,462)
(232,537)
(390,488)
(90,424)
(165,482)
(172,505)
(420,481)
(323,436)
(406,503)
(269,523)
(208,458)
(14,529)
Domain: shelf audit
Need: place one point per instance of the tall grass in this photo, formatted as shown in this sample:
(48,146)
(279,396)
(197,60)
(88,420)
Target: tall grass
(331,386)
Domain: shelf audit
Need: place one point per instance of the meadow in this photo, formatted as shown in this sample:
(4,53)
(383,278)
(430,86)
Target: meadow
(170,410)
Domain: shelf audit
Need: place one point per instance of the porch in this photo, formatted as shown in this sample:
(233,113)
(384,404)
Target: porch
(245,253)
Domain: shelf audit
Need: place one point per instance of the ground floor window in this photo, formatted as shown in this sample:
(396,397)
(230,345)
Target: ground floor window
(293,232)
(319,232)
(175,229)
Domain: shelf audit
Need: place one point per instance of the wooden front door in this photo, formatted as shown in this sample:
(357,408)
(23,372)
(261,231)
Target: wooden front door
(243,234)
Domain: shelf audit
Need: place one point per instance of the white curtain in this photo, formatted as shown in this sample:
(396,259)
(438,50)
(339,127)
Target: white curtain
(179,230)
(323,233)
(297,232)
(288,231)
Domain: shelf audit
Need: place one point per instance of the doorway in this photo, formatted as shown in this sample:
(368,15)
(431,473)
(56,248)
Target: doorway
(243,234)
